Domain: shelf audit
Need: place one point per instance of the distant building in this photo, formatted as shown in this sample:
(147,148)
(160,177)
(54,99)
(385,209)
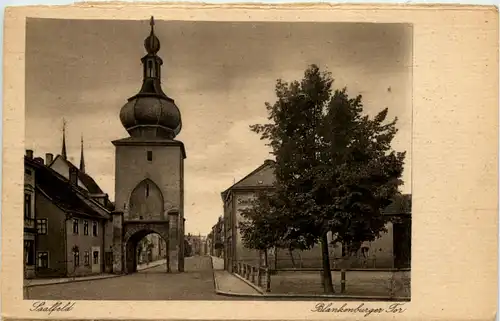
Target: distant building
(70,225)
(196,243)
(392,249)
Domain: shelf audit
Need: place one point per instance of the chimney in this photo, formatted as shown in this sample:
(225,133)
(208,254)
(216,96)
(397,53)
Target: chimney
(29,153)
(39,160)
(73,176)
(49,157)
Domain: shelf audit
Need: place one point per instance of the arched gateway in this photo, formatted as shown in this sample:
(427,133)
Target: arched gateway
(149,182)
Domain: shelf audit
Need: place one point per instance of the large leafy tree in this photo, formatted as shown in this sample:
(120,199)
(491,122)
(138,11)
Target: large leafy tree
(266,224)
(335,169)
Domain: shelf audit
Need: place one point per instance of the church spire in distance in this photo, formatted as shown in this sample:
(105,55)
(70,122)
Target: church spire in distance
(82,160)
(63,151)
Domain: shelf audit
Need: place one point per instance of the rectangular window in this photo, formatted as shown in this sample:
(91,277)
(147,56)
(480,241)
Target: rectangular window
(43,260)
(76,257)
(41,226)
(27,206)
(87,258)
(94,228)
(29,252)
(150,156)
(85,227)
(96,257)
(75,226)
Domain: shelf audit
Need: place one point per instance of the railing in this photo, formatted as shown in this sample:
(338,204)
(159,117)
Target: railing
(259,276)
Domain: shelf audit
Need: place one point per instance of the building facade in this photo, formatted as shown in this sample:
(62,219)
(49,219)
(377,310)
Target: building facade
(70,238)
(391,249)
(29,216)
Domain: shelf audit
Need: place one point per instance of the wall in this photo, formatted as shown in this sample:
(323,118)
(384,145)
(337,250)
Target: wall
(132,167)
(380,253)
(54,241)
(84,243)
(166,171)
(146,202)
(29,224)
(242,200)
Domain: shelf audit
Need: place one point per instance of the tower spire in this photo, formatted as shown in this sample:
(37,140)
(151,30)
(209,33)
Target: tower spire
(82,160)
(63,151)
(151,79)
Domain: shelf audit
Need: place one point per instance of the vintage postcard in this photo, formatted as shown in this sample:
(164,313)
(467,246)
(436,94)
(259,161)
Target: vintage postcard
(196,161)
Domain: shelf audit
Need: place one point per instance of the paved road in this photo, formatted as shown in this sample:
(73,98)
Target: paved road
(196,283)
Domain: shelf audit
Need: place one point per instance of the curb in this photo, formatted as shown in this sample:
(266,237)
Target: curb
(89,279)
(74,281)
(224,293)
(151,266)
(255,287)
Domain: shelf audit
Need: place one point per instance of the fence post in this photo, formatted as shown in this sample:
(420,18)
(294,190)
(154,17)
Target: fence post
(253,274)
(259,280)
(268,280)
(342,281)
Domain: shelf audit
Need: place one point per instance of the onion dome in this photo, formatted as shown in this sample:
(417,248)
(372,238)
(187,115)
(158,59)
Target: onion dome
(151,113)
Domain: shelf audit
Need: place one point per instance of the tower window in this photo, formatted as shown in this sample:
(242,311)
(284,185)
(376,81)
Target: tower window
(150,156)
(150,69)
(147,190)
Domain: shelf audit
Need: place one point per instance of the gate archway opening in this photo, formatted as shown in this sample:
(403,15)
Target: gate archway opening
(146,246)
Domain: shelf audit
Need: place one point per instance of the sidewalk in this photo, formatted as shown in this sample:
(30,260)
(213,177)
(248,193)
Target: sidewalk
(38,282)
(227,283)
(150,265)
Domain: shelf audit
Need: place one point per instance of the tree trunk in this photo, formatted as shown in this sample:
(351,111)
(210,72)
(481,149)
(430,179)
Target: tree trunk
(327,274)
(291,256)
(276,259)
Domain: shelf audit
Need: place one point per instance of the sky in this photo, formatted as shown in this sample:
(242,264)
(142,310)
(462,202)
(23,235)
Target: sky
(220,75)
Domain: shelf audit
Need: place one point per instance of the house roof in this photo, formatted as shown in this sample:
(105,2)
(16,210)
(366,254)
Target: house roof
(262,176)
(86,180)
(59,191)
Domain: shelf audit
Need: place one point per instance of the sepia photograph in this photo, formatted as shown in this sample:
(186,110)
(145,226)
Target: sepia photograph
(171,160)
(250,162)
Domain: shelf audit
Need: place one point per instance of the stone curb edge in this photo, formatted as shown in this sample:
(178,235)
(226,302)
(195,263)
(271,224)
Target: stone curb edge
(74,281)
(82,280)
(258,289)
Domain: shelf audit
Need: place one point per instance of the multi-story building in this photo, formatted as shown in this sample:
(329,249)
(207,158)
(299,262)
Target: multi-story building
(29,215)
(70,225)
(392,249)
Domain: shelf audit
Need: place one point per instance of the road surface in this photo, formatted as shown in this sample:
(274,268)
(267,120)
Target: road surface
(196,283)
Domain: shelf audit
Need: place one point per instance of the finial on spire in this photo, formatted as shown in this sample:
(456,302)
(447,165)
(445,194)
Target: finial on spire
(82,160)
(63,151)
(152,43)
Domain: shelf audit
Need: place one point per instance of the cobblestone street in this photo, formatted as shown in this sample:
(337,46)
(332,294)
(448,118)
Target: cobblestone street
(152,284)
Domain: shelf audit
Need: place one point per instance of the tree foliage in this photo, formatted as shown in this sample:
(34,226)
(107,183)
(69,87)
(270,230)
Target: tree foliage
(335,168)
